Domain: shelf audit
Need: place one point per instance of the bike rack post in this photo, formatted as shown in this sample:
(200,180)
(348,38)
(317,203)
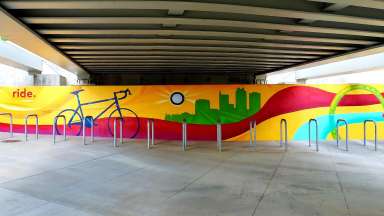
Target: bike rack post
(150,133)
(284,121)
(346,133)
(252,133)
(365,132)
(115,144)
(55,126)
(26,126)
(317,133)
(153,132)
(10,122)
(84,129)
(218,135)
(184,135)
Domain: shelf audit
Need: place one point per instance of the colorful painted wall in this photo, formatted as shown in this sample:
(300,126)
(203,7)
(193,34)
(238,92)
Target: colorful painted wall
(200,105)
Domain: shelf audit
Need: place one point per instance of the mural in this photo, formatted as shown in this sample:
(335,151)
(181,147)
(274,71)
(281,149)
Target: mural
(200,105)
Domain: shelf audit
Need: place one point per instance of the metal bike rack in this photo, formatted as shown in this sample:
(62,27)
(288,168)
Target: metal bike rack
(150,133)
(317,133)
(10,122)
(218,135)
(26,126)
(55,126)
(252,133)
(85,129)
(365,132)
(284,121)
(115,144)
(346,133)
(184,134)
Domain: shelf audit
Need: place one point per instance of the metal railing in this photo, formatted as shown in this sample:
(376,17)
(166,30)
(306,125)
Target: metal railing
(115,143)
(346,133)
(219,135)
(184,135)
(85,129)
(284,122)
(26,126)
(252,133)
(365,132)
(10,122)
(317,133)
(55,127)
(150,133)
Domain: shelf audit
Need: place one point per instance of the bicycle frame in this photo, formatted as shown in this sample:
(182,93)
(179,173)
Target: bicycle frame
(79,109)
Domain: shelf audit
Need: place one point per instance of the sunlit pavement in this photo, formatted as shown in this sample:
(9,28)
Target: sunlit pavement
(68,178)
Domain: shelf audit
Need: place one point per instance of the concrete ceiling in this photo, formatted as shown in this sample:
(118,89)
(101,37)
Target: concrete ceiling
(213,36)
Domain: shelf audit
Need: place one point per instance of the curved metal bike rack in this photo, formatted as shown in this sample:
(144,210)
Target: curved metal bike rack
(150,133)
(10,122)
(219,135)
(365,132)
(85,129)
(284,121)
(55,126)
(317,133)
(26,126)
(252,133)
(115,144)
(184,135)
(346,133)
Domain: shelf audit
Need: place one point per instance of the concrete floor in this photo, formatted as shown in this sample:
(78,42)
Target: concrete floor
(39,178)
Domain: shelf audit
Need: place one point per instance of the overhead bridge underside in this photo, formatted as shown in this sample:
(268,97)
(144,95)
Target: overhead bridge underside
(216,36)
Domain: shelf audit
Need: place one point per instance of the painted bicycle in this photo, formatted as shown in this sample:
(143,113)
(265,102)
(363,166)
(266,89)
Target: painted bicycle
(76,116)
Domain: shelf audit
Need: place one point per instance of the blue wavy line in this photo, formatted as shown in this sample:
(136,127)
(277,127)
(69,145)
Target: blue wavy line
(327,123)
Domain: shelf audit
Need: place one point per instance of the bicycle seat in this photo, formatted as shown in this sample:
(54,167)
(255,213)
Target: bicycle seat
(77,91)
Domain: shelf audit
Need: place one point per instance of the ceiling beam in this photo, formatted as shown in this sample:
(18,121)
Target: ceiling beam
(18,33)
(162,70)
(190,71)
(357,61)
(183,64)
(106,21)
(335,7)
(183,72)
(134,57)
(189,68)
(144,62)
(203,42)
(184,68)
(195,48)
(330,8)
(374,4)
(194,6)
(201,34)
(145,54)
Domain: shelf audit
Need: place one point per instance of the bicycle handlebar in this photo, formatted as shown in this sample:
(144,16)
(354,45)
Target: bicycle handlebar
(125,92)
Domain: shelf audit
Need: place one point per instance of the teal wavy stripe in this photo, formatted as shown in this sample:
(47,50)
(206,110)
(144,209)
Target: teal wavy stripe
(327,123)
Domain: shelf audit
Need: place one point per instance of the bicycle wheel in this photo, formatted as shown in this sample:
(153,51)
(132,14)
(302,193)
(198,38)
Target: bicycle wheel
(131,122)
(75,125)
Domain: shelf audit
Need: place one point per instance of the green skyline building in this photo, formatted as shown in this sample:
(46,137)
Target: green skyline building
(254,102)
(241,101)
(227,112)
(224,105)
(224,102)
(202,106)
